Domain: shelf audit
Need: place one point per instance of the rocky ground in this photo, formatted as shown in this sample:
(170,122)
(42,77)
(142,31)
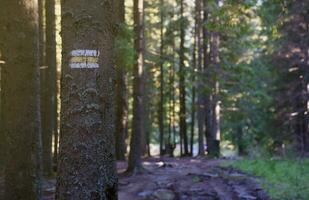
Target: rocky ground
(189,179)
(182,179)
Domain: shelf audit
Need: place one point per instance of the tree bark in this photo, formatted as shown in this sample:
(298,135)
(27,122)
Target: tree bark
(135,163)
(20,99)
(51,62)
(48,91)
(201,111)
(121,102)
(161,104)
(87,167)
(182,86)
(213,103)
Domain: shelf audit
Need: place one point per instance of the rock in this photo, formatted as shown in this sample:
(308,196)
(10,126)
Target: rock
(144,194)
(247,197)
(164,194)
(237,175)
(210,175)
(123,183)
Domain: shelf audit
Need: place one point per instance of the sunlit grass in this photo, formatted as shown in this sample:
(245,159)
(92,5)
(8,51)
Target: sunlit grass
(282,179)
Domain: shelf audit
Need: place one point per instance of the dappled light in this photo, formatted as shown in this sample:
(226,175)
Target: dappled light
(154,100)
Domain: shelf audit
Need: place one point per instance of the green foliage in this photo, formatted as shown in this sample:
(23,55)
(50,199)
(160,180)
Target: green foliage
(124,48)
(246,76)
(283,179)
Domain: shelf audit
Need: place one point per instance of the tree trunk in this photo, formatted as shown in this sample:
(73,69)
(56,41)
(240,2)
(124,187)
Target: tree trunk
(161,104)
(207,70)
(45,110)
(48,91)
(193,98)
(87,168)
(20,100)
(213,103)
(121,102)
(201,112)
(216,103)
(182,86)
(135,163)
(51,62)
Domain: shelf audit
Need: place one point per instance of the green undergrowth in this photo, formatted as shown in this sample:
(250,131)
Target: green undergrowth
(286,179)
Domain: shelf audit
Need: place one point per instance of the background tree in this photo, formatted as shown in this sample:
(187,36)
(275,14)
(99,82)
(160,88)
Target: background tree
(122,60)
(135,163)
(182,88)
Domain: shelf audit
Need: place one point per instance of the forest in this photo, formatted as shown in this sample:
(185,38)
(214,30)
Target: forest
(154,99)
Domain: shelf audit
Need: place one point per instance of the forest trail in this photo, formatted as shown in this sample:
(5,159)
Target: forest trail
(186,179)
(183,179)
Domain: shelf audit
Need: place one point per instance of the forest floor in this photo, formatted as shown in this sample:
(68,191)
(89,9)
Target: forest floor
(183,179)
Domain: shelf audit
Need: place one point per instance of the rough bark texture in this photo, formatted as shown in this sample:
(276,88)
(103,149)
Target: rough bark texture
(121,124)
(182,87)
(86,168)
(51,62)
(201,111)
(161,102)
(46,29)
(208,98)
(213,140)
(20,100)
(135,163)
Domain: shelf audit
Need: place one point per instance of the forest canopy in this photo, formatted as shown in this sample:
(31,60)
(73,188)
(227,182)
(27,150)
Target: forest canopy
(85,85)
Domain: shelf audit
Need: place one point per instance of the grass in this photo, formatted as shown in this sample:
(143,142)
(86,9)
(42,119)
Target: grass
(282,179)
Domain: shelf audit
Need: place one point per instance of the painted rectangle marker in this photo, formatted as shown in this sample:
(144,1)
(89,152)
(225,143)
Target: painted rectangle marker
(84,59)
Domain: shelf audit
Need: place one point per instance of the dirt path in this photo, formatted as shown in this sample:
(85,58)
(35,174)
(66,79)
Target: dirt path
(181,179)
(184,179)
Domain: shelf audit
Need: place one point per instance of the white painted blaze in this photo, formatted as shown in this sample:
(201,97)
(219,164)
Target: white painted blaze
(84,59)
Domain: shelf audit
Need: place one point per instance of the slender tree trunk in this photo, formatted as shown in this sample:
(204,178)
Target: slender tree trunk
(135,163)
(216,103)
(2,142)
(45,106)
(161,104)
(306,86)
(121,102)
(49,93)
(172,137)
(201,112)
(51,61)
(86,168)
(20,100)
(240,142)
(145,138)
(182,86)
(193,111)
(208,98)
(193,98)
(213,103)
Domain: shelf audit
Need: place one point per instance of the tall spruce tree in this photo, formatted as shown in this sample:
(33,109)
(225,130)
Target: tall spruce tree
(86,168)
(182,86)
(135,163)
(20,99)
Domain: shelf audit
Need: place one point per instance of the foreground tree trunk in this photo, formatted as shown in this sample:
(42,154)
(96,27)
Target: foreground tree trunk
(135,163)
(20,100)
(86,168)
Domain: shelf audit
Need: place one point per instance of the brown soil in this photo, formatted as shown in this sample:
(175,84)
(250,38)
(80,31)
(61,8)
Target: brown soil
(181,179)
